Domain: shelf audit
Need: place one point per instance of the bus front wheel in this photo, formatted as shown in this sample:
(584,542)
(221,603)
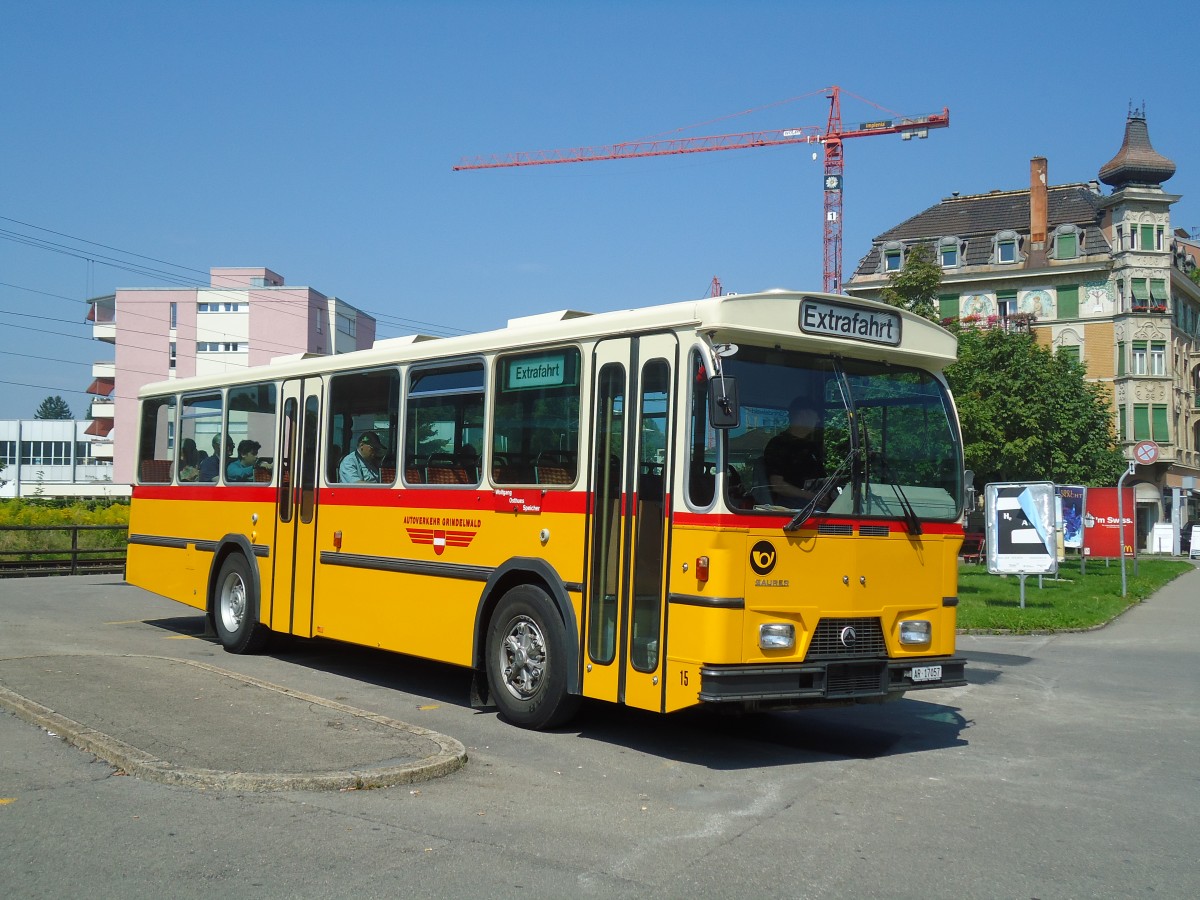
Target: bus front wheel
(527,660)
(235,608)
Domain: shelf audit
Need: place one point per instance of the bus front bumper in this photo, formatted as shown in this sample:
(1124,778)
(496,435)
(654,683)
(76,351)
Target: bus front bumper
(829,680)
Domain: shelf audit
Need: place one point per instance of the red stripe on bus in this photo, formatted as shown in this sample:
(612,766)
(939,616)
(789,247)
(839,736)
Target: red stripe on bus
(407,498)
(736,520)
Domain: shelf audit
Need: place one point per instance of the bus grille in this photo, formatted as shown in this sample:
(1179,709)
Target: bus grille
(859,679)
(832,528)
(827,640)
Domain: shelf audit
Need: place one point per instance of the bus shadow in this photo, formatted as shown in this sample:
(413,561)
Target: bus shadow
(704,737)
(423,678)
(724,741)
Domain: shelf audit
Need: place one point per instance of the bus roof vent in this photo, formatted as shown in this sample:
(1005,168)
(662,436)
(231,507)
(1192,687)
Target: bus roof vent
(405,340)
(546,318)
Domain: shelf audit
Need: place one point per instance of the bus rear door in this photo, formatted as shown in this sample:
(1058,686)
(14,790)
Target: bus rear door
(296,508)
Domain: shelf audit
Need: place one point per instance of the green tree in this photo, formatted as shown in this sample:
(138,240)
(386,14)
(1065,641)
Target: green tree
(915,287)
(1029,414)
(53,408)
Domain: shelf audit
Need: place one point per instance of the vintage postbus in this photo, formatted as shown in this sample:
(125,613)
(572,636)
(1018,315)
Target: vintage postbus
(584,505)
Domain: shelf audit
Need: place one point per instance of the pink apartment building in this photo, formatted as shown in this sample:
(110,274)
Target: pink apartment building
(244,317)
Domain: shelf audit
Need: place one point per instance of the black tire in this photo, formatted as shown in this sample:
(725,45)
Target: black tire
(527,660)
(235,607)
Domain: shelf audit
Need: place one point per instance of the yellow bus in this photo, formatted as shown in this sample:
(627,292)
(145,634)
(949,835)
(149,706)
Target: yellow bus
(748,501)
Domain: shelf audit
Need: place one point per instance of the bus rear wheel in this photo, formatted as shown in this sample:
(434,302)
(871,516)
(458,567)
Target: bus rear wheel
(235,608)
(527,660)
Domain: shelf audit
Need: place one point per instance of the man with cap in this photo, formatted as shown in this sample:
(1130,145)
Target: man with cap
(362,464)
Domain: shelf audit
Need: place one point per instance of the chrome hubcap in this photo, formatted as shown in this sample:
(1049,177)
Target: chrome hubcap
(233,602)
(523,658)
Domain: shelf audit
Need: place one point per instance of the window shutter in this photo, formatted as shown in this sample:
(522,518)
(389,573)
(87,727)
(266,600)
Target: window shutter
(1067,246)
(1068,302)
(1161,433)
(1141,422)
(948,306)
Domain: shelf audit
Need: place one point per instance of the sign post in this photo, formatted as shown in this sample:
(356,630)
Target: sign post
(1144,453)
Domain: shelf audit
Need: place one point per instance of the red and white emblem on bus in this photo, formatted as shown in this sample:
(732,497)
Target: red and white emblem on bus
(441,539)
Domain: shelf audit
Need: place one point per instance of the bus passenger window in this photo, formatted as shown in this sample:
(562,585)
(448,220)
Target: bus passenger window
(535,430)
(252,415)
(444,426)
(200,438)
(156,447)
(360,447)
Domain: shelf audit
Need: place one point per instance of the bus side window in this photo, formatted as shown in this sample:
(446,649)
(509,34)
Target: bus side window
(444,425)
(156,446)
(535,418)
(251,420)
(362,404)
(200,437)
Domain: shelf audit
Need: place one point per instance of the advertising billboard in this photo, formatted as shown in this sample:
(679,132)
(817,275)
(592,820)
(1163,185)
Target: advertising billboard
(1021,525)
(1101,526)
(1074,507)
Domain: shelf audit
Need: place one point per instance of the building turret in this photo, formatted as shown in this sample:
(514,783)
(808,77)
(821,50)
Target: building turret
(1137,163)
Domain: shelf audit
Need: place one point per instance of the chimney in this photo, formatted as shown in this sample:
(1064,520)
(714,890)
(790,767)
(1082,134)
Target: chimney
(1037,203)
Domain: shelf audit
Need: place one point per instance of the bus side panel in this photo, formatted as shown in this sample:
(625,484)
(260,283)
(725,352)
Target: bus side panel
(410,579)
(177,572)
(182,572)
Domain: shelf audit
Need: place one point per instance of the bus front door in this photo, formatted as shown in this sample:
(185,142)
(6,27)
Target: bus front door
(296,508)
(633,418)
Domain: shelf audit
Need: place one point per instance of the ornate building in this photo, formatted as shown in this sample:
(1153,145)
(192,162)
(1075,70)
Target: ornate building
(1103,277)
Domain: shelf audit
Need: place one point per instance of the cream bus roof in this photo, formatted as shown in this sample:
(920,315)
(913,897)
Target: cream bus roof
(767,318)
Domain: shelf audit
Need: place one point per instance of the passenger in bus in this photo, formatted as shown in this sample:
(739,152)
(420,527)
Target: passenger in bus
(242,468)
(189,460)
(210,466)
(795,458)
(362,464)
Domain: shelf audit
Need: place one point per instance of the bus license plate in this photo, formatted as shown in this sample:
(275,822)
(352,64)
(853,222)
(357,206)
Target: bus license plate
(926,673)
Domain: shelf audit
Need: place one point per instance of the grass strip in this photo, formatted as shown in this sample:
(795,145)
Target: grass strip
(1070,601)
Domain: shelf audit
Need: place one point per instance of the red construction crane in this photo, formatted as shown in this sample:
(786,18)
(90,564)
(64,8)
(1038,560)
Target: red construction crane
(831,138)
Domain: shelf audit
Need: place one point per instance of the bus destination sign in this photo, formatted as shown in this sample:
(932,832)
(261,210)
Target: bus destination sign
(830,319)
(548,370)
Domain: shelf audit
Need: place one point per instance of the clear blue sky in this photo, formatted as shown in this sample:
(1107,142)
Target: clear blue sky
(317,138)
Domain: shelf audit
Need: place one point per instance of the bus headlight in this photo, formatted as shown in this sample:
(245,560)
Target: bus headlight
(915,631)
(777,636)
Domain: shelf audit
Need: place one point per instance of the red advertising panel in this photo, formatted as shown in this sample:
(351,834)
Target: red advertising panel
(1101,525)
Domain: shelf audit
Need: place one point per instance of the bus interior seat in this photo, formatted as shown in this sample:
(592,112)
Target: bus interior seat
(157,471)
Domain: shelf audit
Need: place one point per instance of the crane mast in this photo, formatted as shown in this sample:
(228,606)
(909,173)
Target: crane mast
(830,138)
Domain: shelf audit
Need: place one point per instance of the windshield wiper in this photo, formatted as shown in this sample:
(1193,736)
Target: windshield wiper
(806,513)
(912,523)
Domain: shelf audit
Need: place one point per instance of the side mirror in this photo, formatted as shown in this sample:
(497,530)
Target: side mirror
(723,408)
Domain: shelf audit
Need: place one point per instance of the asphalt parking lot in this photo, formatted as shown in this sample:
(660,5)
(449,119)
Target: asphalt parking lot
(1067,767)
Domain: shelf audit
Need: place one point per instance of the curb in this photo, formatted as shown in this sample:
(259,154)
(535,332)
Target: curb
(451,756)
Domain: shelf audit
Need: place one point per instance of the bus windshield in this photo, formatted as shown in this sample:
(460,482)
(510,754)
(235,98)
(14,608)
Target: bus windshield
(841,436)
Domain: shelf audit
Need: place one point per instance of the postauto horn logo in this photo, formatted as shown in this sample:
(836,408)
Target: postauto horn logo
(762,557)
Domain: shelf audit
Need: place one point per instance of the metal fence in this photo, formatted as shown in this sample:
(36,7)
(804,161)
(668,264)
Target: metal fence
(58,550)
